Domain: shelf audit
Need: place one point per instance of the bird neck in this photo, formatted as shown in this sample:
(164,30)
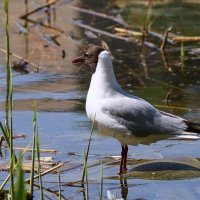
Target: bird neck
(104,76)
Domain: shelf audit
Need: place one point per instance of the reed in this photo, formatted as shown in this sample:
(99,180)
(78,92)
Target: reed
(86,176)
(59,187)
(33,150)
(87,151)
(182,54)
(85,170)
(149,19)
(20,191)
(8,130)
(18,161)
(101,183)
(39,165)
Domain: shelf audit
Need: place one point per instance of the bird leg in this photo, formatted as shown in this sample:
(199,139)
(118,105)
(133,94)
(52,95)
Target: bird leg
(124,168)
(124,152)
(121,163)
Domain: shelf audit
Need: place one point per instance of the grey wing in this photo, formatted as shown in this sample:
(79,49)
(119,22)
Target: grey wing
(141,118)
(138,116)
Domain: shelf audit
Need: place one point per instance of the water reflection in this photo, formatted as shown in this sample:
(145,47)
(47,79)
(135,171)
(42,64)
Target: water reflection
(124,187)
(132,139)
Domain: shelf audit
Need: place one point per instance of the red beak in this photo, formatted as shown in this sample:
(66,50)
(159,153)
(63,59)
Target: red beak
(80,59)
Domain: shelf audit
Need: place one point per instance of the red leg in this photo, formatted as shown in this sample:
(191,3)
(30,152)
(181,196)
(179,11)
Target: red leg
(124,168)
(122,161)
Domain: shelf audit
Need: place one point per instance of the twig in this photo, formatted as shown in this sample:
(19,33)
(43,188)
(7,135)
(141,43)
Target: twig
(74,194)
(173,107)
(167,84)
(186,39)
(165,38)
(41,150)
(98,14)
(128,32)
(48,191)
(80,182)
(37,9)
(87,27)
(101,32)
(45,172)
(165,62)
(167,97)
(23,59)
(46,26)
(160,36)
(136,76)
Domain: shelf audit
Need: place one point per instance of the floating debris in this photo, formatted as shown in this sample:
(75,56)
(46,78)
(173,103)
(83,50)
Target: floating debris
(186,39)
(126,32)
(46,159)
(20,66)
(41,150)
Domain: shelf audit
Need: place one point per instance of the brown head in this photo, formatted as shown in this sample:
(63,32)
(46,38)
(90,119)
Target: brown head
(90,57)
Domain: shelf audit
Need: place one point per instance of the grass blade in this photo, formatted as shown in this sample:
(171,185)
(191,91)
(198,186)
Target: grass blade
(88,149)
(59,187)
(4,183)
(19,160)
(33,151)
(5,135)
(86,175)
(182,54)
(20,192)
(39,165)
(101,183)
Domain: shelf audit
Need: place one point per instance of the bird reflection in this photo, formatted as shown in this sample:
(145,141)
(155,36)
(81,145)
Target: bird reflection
(134,139)
(124,187)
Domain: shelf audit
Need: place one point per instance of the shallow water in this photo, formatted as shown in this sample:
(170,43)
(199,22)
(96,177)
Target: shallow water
(60,90)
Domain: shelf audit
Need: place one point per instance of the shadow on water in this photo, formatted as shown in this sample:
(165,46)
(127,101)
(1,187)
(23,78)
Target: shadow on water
(44,40)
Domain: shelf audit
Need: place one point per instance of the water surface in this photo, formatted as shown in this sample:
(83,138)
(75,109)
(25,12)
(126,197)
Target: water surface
(60,90)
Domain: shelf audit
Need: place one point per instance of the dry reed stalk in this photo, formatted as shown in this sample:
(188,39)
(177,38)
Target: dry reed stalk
(46,172)
(38,9)
(186,39)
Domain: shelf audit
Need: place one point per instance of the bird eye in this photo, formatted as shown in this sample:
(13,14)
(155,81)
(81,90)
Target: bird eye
(87,55)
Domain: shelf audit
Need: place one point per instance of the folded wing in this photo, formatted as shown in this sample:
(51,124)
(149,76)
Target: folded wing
(141,118)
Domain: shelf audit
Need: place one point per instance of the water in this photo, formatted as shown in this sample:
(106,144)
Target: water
(60,89)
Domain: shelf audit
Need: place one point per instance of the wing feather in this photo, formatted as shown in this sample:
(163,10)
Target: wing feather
(141,118)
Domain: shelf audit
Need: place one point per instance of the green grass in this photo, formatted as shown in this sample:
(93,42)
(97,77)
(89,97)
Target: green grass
(33,151)
(39,165)
(8,129)
(20,190)
(87,152)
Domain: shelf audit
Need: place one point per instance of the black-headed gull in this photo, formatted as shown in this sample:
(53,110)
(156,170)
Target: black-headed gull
(121,114)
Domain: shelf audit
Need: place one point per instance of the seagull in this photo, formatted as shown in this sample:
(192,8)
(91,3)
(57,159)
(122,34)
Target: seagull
(121,114)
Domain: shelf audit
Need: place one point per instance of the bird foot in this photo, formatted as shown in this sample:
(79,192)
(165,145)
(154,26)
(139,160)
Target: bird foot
(123,171)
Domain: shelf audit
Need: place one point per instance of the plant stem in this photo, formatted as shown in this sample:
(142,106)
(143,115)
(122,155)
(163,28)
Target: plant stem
(33,152)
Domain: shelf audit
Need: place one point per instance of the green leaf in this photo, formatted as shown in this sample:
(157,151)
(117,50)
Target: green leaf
(6,6)
(20,191)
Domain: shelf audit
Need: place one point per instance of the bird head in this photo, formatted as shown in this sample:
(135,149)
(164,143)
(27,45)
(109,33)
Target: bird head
(90,57)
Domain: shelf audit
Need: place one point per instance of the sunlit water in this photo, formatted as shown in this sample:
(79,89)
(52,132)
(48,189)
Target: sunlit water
(60,90)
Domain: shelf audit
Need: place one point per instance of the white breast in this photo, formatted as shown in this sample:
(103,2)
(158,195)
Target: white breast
(103,85)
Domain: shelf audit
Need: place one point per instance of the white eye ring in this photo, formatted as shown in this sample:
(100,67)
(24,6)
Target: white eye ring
(86,54)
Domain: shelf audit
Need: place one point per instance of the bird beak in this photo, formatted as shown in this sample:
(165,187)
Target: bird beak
(80,59)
